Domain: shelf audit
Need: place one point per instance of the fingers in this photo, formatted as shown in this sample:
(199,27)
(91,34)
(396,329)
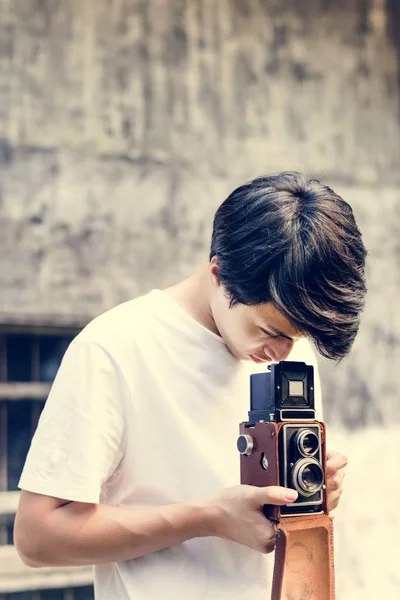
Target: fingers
(334,462)
(274,494)
(334,478)
(333,500)
(334,482)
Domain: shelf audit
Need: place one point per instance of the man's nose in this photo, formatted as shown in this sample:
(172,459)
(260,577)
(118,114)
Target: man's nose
(279,348)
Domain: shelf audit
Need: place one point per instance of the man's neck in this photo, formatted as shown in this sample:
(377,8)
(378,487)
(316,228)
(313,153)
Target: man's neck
(193,296)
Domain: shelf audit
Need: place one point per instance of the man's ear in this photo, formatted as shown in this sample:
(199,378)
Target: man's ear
(213,269)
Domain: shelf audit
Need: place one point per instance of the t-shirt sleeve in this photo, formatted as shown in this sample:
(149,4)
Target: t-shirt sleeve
(79,439)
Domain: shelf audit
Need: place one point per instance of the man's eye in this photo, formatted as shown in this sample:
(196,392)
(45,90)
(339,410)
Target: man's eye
(268,333)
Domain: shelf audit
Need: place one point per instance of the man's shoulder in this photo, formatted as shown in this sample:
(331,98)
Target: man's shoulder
(123,324)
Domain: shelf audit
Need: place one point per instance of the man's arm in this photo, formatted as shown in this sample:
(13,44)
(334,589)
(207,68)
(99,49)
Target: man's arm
(54,532)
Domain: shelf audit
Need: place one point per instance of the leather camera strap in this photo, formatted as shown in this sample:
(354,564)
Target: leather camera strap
(304,568)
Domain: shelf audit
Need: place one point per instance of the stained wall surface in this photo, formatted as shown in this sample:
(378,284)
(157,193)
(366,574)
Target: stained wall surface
(125,123)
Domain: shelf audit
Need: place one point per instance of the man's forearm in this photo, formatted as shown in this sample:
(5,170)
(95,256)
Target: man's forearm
(83,534)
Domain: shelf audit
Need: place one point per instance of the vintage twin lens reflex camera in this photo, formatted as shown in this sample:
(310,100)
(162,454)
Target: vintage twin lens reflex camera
(282,443)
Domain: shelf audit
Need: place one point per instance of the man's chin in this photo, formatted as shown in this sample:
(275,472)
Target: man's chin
(241,355)
(236,353)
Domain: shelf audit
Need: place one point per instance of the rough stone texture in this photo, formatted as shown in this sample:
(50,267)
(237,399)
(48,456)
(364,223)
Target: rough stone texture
(123,125)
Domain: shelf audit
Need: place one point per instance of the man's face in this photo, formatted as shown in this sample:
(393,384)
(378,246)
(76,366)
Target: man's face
(260,333)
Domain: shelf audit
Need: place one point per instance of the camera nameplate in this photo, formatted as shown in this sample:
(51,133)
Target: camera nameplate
(286,415)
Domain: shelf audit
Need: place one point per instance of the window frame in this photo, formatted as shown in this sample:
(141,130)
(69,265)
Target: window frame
(14,575)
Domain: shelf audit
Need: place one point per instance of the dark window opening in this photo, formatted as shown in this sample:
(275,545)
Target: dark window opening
(28,361)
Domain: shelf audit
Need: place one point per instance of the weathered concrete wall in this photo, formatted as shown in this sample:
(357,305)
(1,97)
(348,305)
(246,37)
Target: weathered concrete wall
(223,86)
(124,124)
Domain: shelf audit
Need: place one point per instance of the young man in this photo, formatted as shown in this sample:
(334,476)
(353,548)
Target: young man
(134,467)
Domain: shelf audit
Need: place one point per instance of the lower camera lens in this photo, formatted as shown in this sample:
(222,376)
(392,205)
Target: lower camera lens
(308,477)
(311,478)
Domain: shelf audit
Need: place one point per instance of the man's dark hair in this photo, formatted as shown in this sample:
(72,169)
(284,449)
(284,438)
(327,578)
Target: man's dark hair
(294,242)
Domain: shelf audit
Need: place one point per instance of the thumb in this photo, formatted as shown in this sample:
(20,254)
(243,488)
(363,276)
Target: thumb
(275,494)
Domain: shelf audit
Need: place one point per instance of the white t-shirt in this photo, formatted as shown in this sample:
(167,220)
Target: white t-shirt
(145,411)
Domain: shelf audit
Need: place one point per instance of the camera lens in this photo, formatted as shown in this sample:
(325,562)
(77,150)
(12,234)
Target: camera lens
(307,442)
(311,478)
(308,476)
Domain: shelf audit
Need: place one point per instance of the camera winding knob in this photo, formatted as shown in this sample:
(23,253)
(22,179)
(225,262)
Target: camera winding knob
(245,444)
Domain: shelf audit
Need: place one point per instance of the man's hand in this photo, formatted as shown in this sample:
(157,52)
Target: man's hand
(238,515)
(335,471)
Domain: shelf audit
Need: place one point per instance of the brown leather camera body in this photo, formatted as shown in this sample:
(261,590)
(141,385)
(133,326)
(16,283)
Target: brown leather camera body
(265,438)
(304,556)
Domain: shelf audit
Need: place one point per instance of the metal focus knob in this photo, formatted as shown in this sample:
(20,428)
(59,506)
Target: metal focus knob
(245,444)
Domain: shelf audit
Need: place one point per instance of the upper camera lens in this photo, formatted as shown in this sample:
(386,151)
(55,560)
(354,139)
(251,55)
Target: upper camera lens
(307,442)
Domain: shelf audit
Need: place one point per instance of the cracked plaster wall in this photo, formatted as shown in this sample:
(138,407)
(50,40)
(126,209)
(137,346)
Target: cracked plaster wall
(124,124)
